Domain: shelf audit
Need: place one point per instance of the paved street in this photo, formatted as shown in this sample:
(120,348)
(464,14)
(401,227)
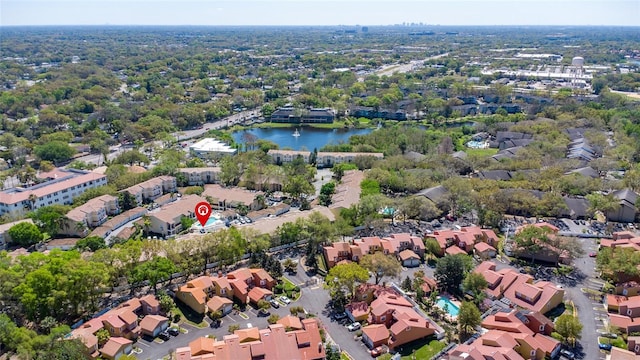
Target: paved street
(179,135)
(313,299)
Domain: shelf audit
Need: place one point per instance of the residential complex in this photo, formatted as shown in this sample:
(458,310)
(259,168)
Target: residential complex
(394,244)
(90,215)
(167,221)
(123,326)
(59,186)
(224,198)
(272,343)
(324,159)
(466,240)
(201,176)
(518,289)
(152,189)
(208,293)
(393,320)
(302,116)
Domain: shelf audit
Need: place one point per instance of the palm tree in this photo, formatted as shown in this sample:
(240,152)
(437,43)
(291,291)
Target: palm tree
(146,222)
(32,201)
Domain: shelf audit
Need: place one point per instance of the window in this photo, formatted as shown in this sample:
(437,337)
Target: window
(541,328)
(629,312)
(637,348)
(383,318)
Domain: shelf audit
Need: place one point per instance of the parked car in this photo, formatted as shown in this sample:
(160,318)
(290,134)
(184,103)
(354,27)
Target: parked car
(610,335)
(173,331)
(340,316)
(379,351)
(274,303)
(604,346)
(354,326)
(568,354)
(164,335)
(285,299)
(593,254)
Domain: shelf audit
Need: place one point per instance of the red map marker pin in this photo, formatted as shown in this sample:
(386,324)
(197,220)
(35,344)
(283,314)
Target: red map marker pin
(203,212)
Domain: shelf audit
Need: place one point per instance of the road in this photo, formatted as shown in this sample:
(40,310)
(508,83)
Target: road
(389,70)
(231,120)
(314,299)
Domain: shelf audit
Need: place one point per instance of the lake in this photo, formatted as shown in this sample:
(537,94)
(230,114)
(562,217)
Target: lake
(309,138)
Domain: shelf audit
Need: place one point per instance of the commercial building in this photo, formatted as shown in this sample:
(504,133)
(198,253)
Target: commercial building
(210,147)
(59,186)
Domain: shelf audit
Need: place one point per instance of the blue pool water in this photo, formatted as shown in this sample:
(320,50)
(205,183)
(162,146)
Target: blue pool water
(452,308)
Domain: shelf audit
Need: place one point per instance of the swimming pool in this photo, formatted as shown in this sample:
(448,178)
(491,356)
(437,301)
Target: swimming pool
(478,144)
(213,223)
(451,308)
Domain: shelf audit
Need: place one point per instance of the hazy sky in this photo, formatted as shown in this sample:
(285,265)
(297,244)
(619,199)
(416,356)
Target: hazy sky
(319,12)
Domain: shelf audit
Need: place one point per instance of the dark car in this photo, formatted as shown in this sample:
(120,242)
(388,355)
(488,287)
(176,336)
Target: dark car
(173,331)
(164,335)
(604,346)
(340,316)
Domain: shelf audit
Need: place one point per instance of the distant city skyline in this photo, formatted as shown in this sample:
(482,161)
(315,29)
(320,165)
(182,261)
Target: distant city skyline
(315,12)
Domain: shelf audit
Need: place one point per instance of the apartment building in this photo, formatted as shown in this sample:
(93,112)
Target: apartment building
(90,215)
(168,220)
(274,342)
(300,116)
(324,159)
(201,176)
(393,244)
(59,186)
(152,189)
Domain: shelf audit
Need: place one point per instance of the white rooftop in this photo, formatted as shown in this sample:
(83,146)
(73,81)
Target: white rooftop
(212,145)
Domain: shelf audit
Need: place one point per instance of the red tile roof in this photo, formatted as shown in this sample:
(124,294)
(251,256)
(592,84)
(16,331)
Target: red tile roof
(376,332)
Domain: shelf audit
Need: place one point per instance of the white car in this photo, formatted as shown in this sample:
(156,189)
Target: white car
(353,327)
(285,300)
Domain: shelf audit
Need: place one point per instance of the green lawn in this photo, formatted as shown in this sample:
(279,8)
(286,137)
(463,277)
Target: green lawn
(422,351)
(619,342)
(289,287)
(481,152)
(188,315)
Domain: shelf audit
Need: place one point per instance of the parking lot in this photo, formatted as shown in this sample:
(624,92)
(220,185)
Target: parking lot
(314,300)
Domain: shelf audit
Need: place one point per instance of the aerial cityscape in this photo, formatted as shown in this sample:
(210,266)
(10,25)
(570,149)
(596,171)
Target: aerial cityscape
(416,185)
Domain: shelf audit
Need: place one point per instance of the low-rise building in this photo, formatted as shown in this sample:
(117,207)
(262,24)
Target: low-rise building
(116,347)
(465,239)
(209,147)
(198,293)
(59,186)
(89,215)
(152,189)
(201,176)
(323,159)
(393,244)
(520,289)
(223,198)
(274,342)
(303,116)
(167,221)
(152,325)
